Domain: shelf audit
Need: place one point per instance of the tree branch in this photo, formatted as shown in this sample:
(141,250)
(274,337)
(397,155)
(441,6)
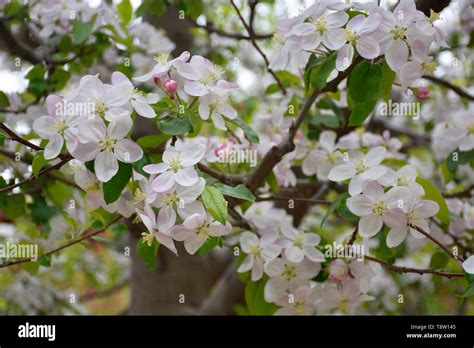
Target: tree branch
(276,153)
(209,27)
(449,85)
(400,269)
(67,245)
(251,33)
(439,243)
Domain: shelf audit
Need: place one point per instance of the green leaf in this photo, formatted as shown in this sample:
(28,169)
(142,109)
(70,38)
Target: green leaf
(360,113)
(457,158)
(152,141)
(432,193)
(325,120)
(138,165)
(215,203)
(210,244)
(364,82)
(255,299)
(175,126)
(321,72)
(44,260)
(469,291)
(249,132)
(196,122)
(344,212)
(273,88)
(41,212)
(114,187)
(36,73)
(341,199)
(38,162)
(272,181)
(15,207)
(125,11)
(81,30)
(4,102)
(240,191)
(288,79)
(439,260)
(148,253)
(385,88)
(60,78)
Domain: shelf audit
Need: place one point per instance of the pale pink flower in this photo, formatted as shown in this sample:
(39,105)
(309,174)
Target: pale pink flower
(358,34)
(298,244)
(322,159)
(197,229)
(57,127)
(259,251)
(139,100)
(405,176)
(163,66)
(160,228)
(177,167)
(88,182)
(203,77)
(285,275)
(215,105)
(468,265)
(107,145)
(417,211)
(360,167)
(376,208)
(300,302)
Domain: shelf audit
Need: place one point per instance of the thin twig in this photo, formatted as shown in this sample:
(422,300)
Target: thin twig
(67,245)
(400,269)
(255,44)
(449,85)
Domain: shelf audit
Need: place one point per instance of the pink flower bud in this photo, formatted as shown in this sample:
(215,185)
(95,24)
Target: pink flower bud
(422,93)
(338,270)
(156,79)
(170,86)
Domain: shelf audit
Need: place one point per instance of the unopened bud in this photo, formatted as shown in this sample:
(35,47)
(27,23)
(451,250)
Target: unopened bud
(422,93)
(170,86)
(338,270)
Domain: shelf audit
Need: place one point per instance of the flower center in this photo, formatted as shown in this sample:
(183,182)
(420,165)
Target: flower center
(255,250)
(321,25)
(203,232)
(298,241)
(171,198)
(100,108)
(300,308)
(148,237)
(95,186)
(429,67)
(161,58)
(399,32)
(470,128)
(213,74)
(60,127)
(351,36)
(138,196)
(434,16)
(107,143)
(359,166)
(175,164)
(403,181)
(379,208)
(279,39)
(289,272)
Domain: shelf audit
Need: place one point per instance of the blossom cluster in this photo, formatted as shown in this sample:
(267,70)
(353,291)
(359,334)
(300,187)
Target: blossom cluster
(371,31)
